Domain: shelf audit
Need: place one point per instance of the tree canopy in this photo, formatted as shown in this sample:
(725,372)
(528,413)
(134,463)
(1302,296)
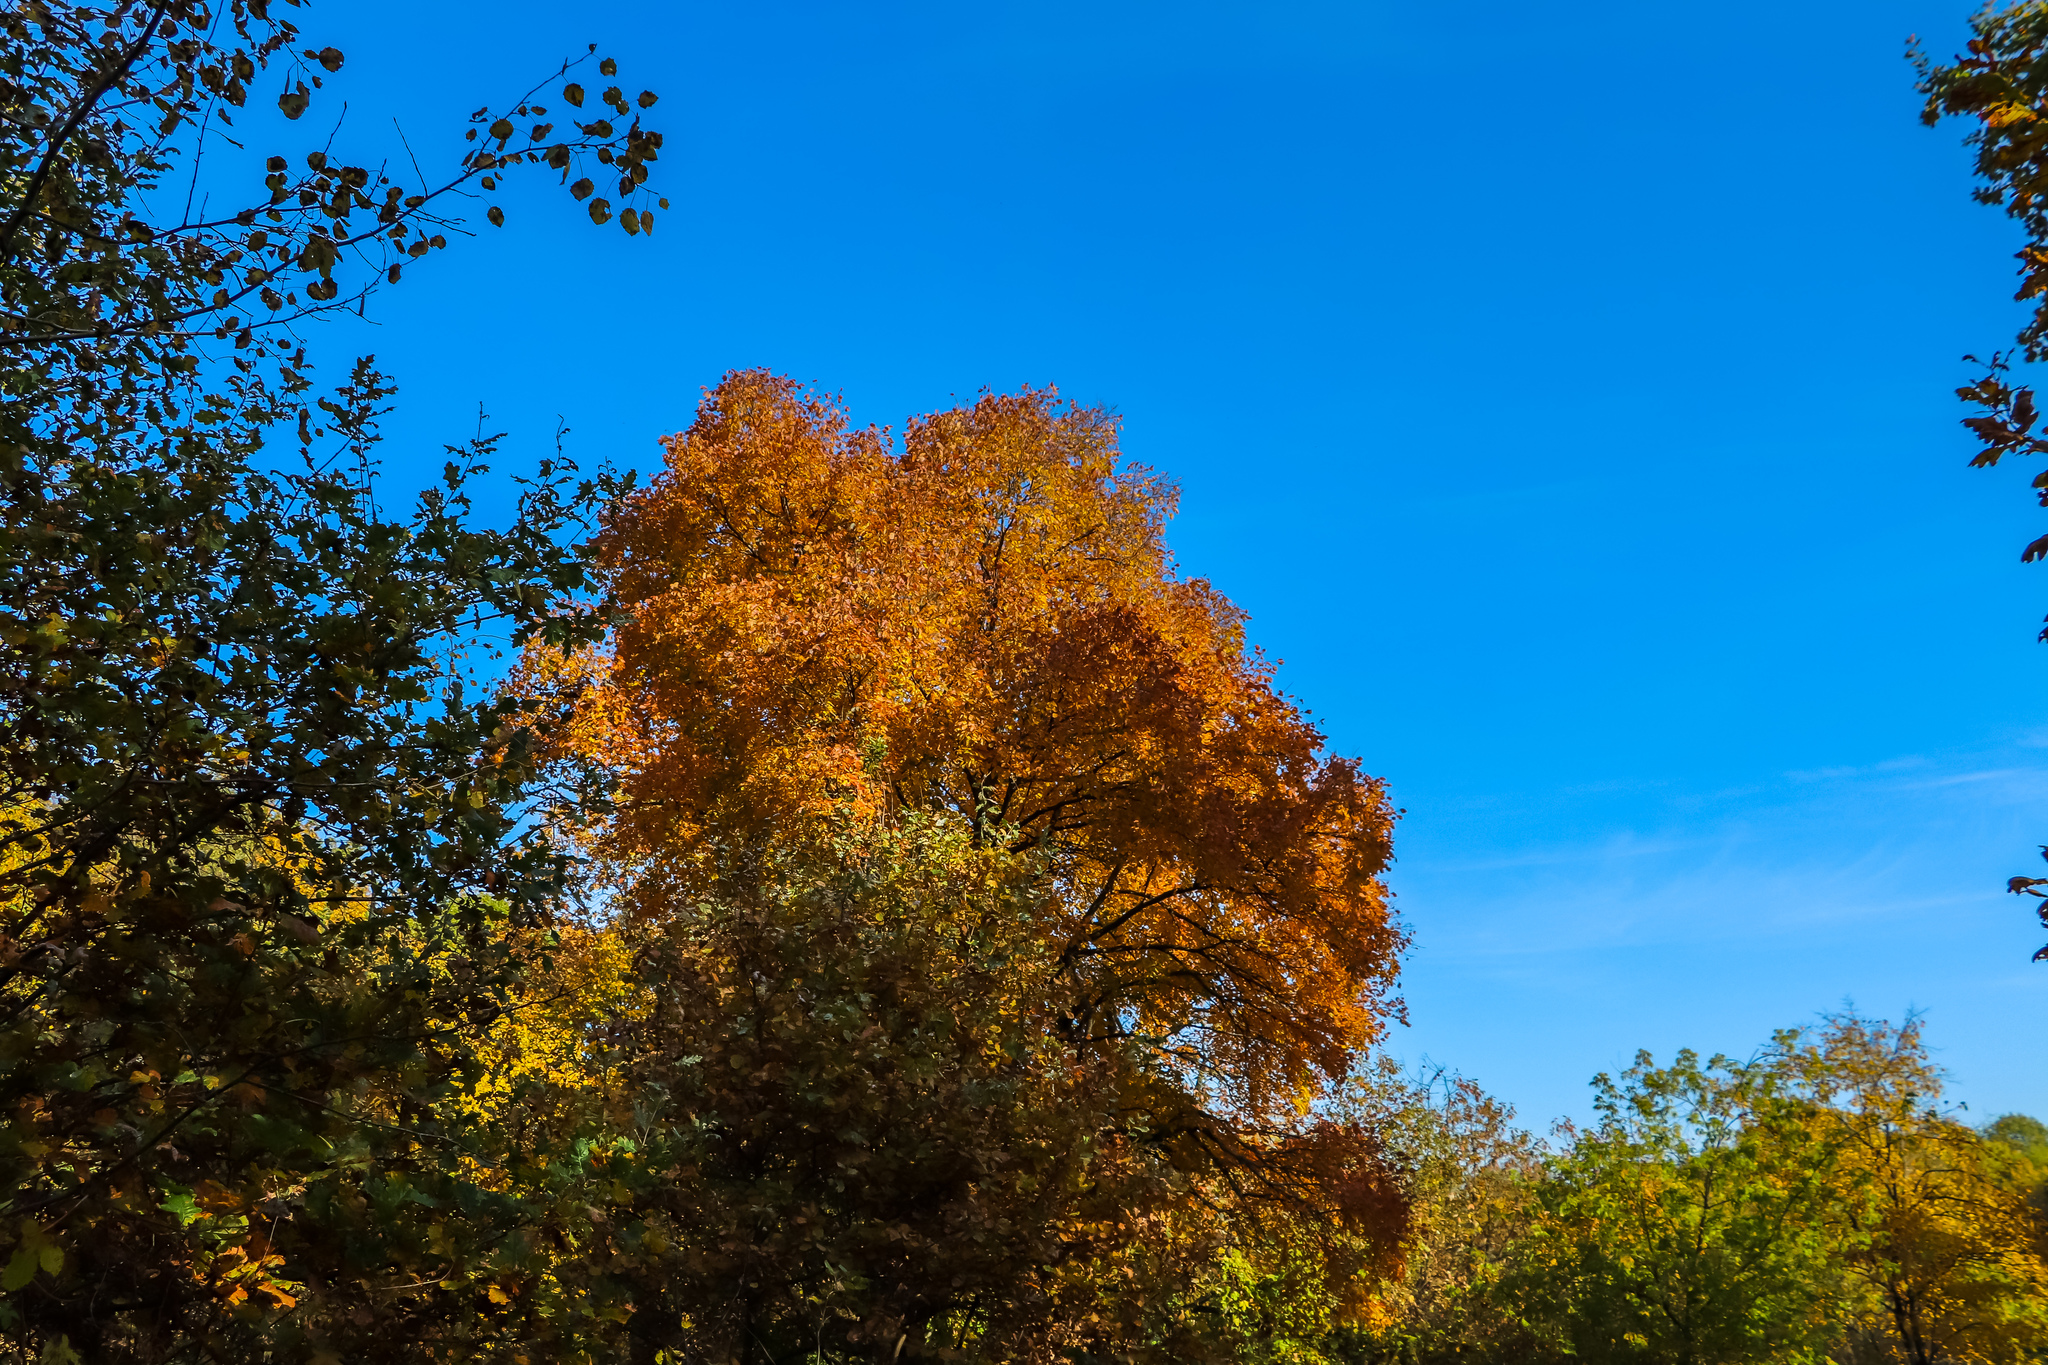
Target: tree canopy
(823,643)
(273,848)
(985,625)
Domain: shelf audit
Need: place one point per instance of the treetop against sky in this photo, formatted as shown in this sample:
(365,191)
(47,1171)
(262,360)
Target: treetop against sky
(1584,448)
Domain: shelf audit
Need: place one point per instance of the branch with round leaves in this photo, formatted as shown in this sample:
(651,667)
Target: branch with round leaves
(312,224)
(115,274)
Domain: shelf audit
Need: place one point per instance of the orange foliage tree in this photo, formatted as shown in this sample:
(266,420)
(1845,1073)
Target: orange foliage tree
(823,629)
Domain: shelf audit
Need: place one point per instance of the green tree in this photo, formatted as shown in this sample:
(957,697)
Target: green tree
(1689,1225)
(838,1121)
(1470,1179)
(2026,1138)
(1815,1202)
(273,857)
(2025,1135)
(852,1138)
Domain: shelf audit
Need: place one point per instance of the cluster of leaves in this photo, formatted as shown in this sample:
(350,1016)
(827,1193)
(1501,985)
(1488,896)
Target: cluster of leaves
(854,1131)
(273,864)
(255,868)
(114,269)
(2001,82)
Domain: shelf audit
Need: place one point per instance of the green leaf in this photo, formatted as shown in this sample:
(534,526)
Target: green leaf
(21,1268)
(181,1206)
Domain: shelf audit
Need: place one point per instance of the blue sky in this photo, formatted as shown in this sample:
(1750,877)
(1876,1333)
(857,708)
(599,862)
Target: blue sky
(1565,390)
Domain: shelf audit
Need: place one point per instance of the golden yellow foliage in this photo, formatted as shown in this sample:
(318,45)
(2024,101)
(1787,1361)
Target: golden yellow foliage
(1943,1240)
(824,629)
